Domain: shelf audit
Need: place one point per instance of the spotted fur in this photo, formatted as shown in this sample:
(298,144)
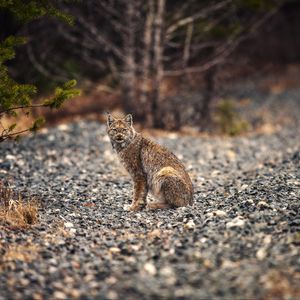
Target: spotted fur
(152,167)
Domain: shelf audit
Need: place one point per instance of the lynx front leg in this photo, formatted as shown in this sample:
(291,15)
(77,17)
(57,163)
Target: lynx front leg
(139,194)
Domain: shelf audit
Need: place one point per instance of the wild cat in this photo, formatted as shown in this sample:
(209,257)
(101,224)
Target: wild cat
(152,167)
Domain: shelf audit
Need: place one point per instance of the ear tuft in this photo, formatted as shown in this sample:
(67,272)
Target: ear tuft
(110,119)
(128,119)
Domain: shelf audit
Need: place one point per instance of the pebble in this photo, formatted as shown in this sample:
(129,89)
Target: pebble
(261,254)
(150,268)
(220,213)
(190,225)
(168,274)
(263,204)
(114,250)
(68,224)
(236,222)
(59,295)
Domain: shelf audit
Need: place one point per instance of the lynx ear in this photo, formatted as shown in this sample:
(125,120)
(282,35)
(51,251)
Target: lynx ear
(110,119)
(128,119)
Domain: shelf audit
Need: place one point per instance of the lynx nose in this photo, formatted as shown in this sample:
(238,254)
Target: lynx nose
(119,136)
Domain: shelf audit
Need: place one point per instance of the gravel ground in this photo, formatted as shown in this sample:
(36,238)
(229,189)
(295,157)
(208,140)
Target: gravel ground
(240,239)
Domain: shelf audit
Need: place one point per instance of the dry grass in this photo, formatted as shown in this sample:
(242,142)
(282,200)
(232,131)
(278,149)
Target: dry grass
(16,211)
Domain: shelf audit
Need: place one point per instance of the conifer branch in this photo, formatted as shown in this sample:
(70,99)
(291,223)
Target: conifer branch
(21,107)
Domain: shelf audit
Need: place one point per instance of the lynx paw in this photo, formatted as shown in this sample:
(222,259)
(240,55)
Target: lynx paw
(132,207)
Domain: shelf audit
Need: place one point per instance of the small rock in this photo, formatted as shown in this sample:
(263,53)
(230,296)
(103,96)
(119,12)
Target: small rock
(243,187)
(236,222)
(263,204)
(168,274)
(51,138)
(261,253)
(52,269)
(155,233)
(126,207)
(68,224)
(10,157)
(114,250)
(203,240)
(182,209)
(135,247)
(75,294)
(215,173)
(112,295)
(24,282)
(21,163)
(166,271)
(267,240)
(63,127)
(59,295)
(231,155)
(150,268)
(220,213)
(111,280)
(249,202)
(190,225)
(37,296)
(228,264)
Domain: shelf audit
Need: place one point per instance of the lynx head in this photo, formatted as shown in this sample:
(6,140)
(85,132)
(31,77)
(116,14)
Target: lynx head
(120,131)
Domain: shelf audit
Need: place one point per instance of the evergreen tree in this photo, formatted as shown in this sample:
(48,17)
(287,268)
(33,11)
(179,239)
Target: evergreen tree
(16,98)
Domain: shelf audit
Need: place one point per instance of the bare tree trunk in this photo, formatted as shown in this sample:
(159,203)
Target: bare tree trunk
(186,53)
(145,85)
(206,107)
(187,44)
(186,79)
(129,77)
(158,63)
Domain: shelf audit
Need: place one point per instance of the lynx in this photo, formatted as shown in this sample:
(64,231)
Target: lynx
(152,167)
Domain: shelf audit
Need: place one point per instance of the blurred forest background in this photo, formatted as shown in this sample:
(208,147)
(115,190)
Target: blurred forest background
(172,64)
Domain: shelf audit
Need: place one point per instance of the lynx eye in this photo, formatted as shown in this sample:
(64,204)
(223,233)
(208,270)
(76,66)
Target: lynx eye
(113,130)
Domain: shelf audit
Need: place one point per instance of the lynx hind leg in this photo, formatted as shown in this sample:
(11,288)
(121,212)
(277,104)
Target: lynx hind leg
(158,201)
(171,189)
(175,192)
